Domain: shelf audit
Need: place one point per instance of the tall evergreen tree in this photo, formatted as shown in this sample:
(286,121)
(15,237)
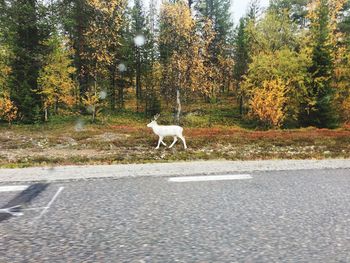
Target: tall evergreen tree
(242,47)
(344,24)
(220,48)
(319,111)
(297,9)
(218,11)
(103,41)
(26,63)
(74,16)
(254,10)
(241,58)
(138,29)
(124,63)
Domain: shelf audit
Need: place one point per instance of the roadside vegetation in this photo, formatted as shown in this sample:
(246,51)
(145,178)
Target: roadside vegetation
(124,138)
(80,79)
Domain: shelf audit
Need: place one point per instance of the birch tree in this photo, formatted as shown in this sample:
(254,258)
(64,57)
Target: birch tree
(56,85)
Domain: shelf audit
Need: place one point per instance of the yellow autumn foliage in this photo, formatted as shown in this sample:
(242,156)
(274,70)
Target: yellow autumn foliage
(345,106)
(334,7)
(268,103)
(55,83)
(190,65)
(103,31)
(341,84)
(93,103)
(8,110)
(5,69)
(178,24)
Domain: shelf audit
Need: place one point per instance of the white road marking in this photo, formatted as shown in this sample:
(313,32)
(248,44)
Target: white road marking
(50,203)
(210,178)
(34,208)
(12,211)
(13,188)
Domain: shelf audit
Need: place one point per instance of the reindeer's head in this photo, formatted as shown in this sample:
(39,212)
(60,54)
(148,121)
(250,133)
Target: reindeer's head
(154,121)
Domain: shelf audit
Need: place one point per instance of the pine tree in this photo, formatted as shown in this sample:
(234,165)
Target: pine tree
(103,45)
(218,11)
(241,58)
(297,9)
(344,24)
(254,10)
(139,31)
(319,112)
(152,68)
(26,63)
(341,77)
(74,17)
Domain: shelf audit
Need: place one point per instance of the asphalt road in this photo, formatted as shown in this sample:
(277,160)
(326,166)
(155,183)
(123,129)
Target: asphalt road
(277,216)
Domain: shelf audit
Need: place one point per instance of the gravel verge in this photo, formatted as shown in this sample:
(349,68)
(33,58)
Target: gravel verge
(163,169)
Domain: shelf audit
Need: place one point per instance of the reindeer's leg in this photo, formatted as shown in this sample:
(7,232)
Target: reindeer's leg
(175,140)
(183,140)
(159,141)
(163,142)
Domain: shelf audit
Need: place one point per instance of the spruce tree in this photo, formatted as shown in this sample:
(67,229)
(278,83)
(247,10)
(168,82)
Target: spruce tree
(218,11)
(241,58)
(26,63)
(296,8)
(138,29)
(74,16)
(344,24)
(151,55)
(319,112)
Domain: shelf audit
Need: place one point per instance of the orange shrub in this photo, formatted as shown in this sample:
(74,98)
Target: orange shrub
(8,111)
(268,103)
(346,110)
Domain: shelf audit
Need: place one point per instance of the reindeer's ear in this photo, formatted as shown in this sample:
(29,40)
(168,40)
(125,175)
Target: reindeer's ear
(156,116)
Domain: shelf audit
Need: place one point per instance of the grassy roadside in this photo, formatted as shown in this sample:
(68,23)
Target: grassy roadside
(113,141)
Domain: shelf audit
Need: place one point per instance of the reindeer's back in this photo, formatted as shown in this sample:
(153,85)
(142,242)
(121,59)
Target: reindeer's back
(170,130)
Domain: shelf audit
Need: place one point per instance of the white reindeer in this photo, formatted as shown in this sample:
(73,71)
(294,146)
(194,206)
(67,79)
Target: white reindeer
(163,131)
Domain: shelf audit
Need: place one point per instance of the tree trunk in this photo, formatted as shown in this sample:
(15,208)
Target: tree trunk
(178,102)
(93,113)
(241,105)
(95,92)
(138,78)
(56,107)
(112,90)
(121,94)
(240,99)
(79,45)
(45,114)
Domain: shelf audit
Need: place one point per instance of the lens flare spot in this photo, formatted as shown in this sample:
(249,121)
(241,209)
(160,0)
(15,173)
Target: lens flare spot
(103,94)
(90,109)
(139,40)
(121,67)
(79,125)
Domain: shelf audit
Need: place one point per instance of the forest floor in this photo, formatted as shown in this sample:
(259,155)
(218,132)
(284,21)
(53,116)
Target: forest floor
(125,139)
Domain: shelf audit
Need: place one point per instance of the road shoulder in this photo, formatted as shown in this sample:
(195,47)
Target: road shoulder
(60,173)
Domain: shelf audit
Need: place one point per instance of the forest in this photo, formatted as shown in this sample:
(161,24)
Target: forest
(283,66)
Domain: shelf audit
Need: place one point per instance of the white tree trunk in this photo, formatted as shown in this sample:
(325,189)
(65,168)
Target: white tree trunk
(178,102)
